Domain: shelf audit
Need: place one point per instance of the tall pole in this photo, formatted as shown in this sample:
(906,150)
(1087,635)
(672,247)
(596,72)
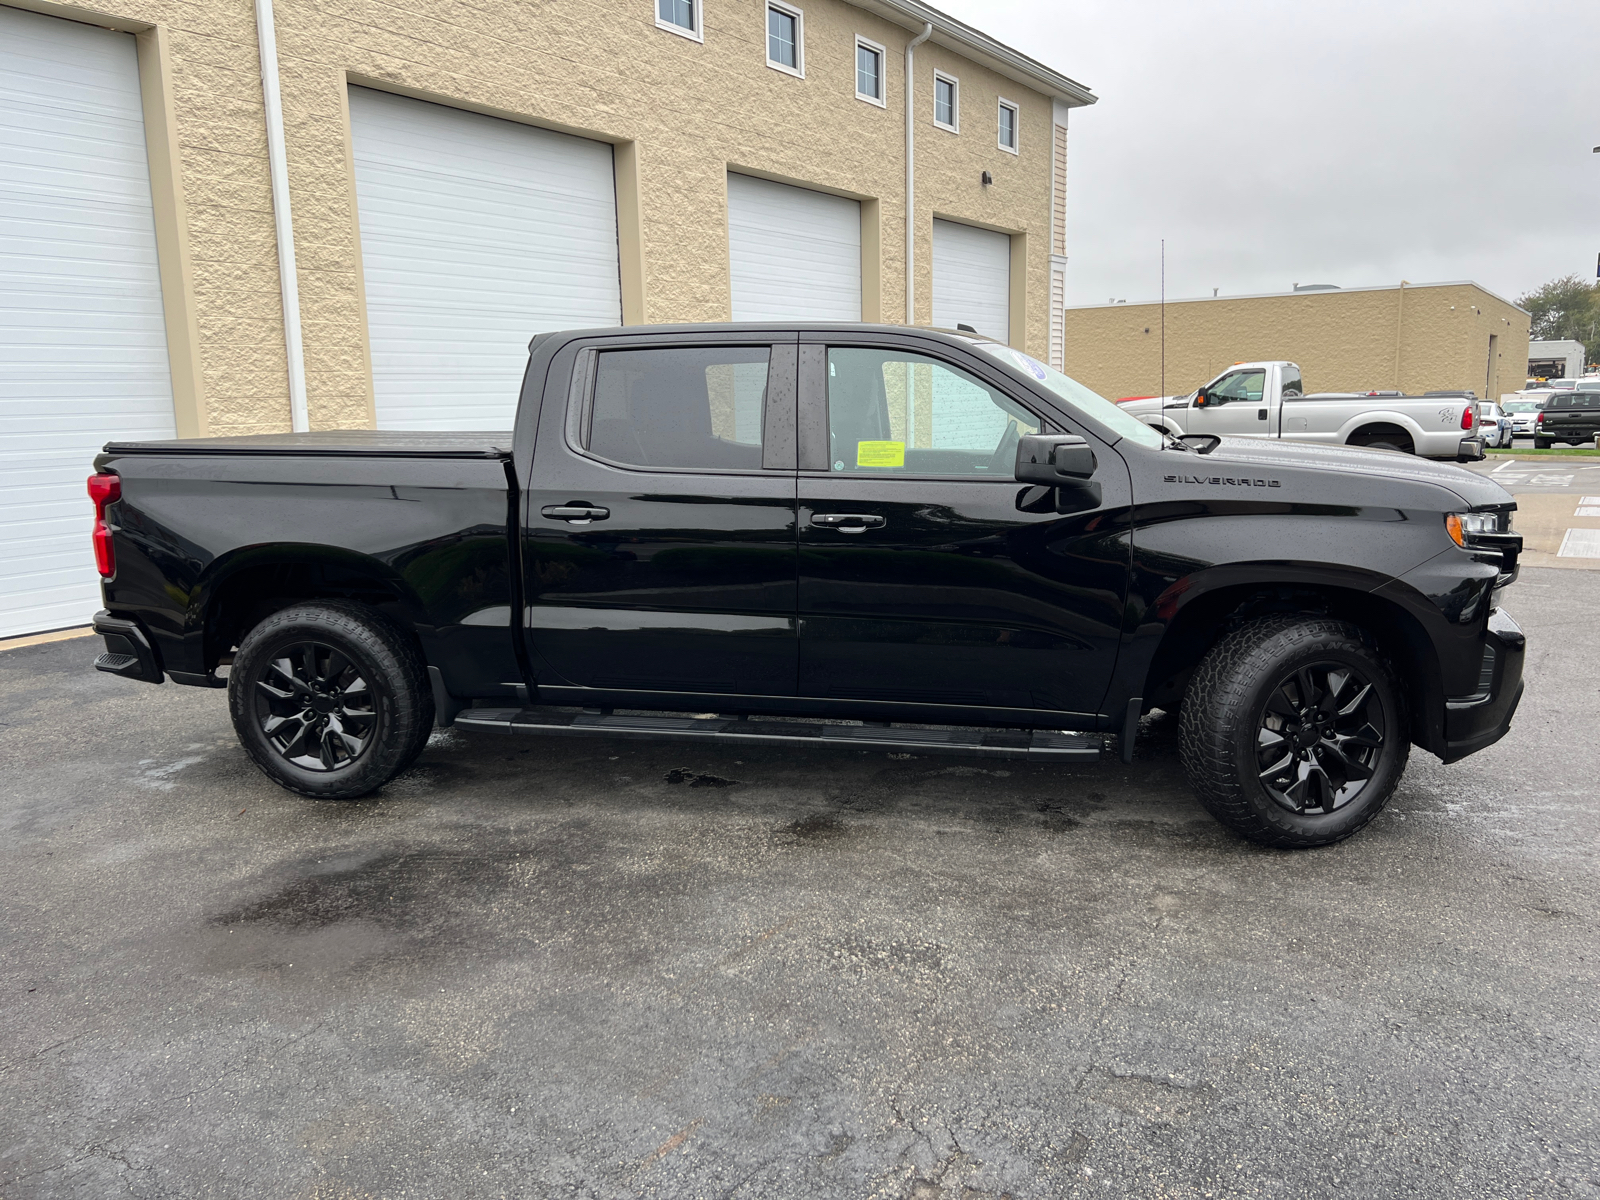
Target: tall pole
(1163,316)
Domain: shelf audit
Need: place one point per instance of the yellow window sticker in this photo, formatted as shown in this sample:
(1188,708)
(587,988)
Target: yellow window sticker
(880,454)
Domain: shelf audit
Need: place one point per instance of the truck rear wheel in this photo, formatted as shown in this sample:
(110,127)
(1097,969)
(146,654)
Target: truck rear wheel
(331,699)
(1294,731)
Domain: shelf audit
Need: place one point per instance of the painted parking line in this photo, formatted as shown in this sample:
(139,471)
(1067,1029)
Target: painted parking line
(1580,543)
(1589,506)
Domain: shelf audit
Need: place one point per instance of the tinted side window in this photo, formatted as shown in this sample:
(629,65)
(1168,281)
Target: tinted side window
(688,407)
(1291,382)
(890,412)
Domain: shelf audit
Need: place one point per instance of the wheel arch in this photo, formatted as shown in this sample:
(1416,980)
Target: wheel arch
(243,588)
(1207,614)
(1370,430)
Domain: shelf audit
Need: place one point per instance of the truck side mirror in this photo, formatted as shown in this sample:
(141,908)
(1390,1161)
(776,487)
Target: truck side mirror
(1054,459)
(1200,398)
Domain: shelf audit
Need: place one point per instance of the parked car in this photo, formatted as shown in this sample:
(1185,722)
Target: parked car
(1267,400)
(1495,425)
(1571,416)
(1522,409)
(932,534)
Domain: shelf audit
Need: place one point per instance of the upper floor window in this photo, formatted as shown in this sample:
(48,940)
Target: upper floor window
(1008,126)
(946,102)
(786,38)
(680,16)
(869,72)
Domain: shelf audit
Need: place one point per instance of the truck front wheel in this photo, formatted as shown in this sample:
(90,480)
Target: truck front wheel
(1294,731)
(331,699)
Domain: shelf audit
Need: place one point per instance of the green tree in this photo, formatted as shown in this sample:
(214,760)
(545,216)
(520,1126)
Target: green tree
(1565,309)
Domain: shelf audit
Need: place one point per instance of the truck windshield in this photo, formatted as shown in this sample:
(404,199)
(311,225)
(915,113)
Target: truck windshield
(1076,397)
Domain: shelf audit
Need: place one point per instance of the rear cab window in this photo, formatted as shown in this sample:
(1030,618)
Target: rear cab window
(694,408)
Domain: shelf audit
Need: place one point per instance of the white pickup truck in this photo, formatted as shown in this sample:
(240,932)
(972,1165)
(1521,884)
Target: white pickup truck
(1267,400)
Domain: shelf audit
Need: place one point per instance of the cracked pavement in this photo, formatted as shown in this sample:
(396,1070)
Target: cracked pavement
(539,968)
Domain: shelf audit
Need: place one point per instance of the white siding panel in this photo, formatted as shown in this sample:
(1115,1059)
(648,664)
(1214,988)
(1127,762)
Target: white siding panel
(794,254)
(83,347)
(972,279)
(476,234)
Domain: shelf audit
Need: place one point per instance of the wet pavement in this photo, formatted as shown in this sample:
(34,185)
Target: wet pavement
(611,969)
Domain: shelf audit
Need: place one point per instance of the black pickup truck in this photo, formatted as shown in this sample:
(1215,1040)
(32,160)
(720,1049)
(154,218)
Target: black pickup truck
(1571,416)
(851,535)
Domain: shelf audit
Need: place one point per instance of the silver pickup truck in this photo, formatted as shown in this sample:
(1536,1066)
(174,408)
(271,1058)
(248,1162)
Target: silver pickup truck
(1267,400)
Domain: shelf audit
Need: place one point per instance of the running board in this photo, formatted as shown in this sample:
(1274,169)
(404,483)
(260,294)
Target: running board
(979,743)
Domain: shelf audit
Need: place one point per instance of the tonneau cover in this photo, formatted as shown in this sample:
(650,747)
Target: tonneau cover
(371,443)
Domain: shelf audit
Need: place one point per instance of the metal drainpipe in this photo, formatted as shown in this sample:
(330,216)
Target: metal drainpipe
(911,176)
(267,40)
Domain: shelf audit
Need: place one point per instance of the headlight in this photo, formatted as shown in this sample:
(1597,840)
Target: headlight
(1463,527)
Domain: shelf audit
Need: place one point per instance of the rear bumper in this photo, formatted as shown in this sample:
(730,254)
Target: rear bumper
(1482,719)
(129,652)
(1470,450)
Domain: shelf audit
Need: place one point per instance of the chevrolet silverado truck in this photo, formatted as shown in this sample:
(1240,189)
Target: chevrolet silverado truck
(853,536)
(1267,400)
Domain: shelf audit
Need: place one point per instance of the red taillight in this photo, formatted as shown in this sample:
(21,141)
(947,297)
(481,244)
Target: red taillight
(104,490)
(1538,417)
(1466,417)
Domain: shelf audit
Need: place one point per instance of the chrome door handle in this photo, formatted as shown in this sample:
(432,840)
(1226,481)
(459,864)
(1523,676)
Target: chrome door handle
(577,514)
(849,522)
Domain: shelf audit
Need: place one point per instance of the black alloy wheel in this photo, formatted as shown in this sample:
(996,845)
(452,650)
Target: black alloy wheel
(330,698)
(1320,734)
(1294,730)
(315,708)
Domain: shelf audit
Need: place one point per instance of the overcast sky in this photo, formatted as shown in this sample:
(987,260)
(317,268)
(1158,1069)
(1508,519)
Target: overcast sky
(1358,143)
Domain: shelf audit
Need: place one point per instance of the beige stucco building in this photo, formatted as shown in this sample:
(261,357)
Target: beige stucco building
(1415,337)
(247,216)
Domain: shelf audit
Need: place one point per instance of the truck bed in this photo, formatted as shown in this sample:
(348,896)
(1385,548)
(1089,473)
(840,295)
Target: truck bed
(339,443)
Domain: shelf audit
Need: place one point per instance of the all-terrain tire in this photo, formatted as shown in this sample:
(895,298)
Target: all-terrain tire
(331,699)
(1225,712)
(1540,443)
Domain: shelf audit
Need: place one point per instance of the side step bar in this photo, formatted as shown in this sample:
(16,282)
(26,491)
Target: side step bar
(980,743)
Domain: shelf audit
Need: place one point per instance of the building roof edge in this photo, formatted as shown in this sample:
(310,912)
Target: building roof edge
(959,36)
(1379,287)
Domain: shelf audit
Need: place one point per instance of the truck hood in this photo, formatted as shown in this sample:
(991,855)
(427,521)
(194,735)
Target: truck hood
(1390,466)
(1146,408)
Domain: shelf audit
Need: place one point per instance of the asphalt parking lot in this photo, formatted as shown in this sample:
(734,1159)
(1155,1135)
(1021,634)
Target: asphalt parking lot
(551,968)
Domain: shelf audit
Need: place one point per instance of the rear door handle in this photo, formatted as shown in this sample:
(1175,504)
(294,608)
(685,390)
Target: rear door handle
(849,522)
(577,513)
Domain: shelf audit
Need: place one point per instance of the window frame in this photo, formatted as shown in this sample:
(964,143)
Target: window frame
(1015,110)
(799,69)
(955,101)
(882,99)
(697,34)
(819,396)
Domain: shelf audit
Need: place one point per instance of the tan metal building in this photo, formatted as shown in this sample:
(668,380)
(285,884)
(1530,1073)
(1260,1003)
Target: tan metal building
(250,215)
(1415,337)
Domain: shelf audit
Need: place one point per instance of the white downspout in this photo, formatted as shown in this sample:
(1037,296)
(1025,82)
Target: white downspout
(911,176)
(267,40)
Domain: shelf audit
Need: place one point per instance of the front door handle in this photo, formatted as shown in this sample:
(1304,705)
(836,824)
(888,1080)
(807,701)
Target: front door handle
(1261,414)
(577,513)
(849,522)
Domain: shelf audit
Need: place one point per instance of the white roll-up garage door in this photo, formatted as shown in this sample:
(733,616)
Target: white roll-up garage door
(83,346)
(972,279)
(476,234)
(795,254)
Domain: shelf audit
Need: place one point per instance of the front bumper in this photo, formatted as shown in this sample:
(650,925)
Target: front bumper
(1482,719)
